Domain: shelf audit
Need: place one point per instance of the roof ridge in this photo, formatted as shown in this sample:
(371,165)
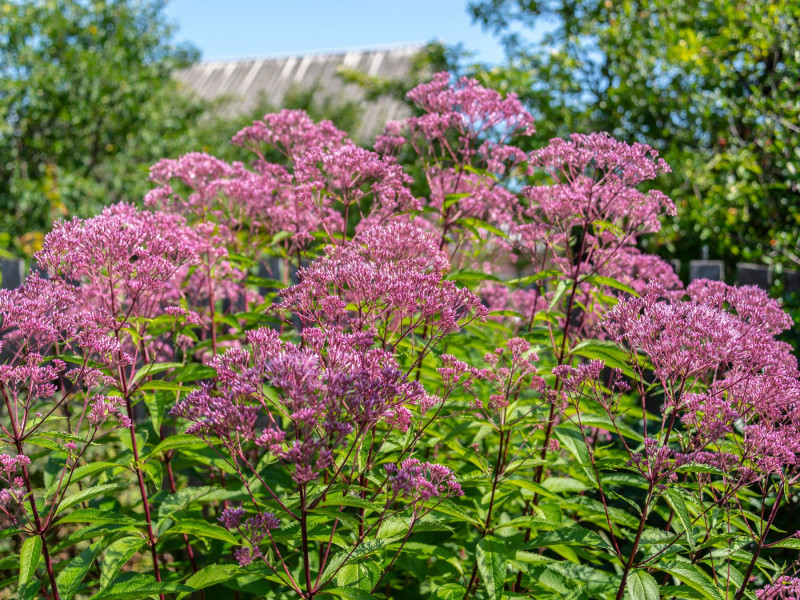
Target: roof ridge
(410,47)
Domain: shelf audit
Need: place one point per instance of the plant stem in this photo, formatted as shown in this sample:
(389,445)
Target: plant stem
(186,543)
(760,545)
(304,542)
(143,492)
(29,489)
(501,455)
(39,530)
(636,541)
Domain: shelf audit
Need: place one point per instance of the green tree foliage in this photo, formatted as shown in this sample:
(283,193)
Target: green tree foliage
(715,85)
(88,103)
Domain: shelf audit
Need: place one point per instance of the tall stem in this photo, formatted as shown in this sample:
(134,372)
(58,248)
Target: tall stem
(304,542)
(40,531)
(143,492)
(186,543)
(501,456)
(636,541)
(212,308)
(760,545)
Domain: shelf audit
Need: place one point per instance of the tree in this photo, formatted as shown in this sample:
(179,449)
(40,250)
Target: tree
(714,84)
(88,103)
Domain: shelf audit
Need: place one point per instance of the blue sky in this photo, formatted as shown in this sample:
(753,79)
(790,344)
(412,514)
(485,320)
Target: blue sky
(254,28)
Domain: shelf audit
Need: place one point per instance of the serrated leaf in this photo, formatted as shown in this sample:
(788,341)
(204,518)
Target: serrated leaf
(152,369)
(475,225)
(179,500)
(611,354)
(157,405)
(30,590)
(44,442)
(211,575)
(70,578)
(692,576)
(612,283)
(164,386)
(199,528)
(492,565)
(117,554)
(570,536)
(98,517)
(87,493)
(29,558)
(181,440)
(448,508)
(679,506)
(137,585)
(573,441)
(154,473)
(353,501)
(641,586)
(522,281)
(84,471)
(529,522)
(348,593)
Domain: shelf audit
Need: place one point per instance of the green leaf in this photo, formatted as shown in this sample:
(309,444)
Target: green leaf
(117,554)
(164,385)
(29,558)
(154,473)
(348,593)
(612,283)
(448,508)
(529,522)
(354,501)
(199,528)
(181,440)
(641,586)
(175,502)
(475,225)
(98,517)
(157,406)
(679,506)
(534,278)
(469,277)
(570,536)
(44,442)
(152,369)
(84,471)
(611,354)
(87,493)
(211,575)
(601,226)
(137,585)
(792,542)
(561,288)
(692,576)
(492,565)
(573,441)
(70,578)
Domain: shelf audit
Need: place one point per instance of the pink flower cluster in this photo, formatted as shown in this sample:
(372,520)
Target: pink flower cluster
(388,281)
(715,353)
(784,588)
(12,491)
(334,385)
(467,108)
(418,481)
(253,530)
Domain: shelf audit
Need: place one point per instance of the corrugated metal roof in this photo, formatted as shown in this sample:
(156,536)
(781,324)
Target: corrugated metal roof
(246,82)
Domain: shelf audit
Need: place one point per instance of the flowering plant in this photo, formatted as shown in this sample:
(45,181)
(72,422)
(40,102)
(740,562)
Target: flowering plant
(300,380)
